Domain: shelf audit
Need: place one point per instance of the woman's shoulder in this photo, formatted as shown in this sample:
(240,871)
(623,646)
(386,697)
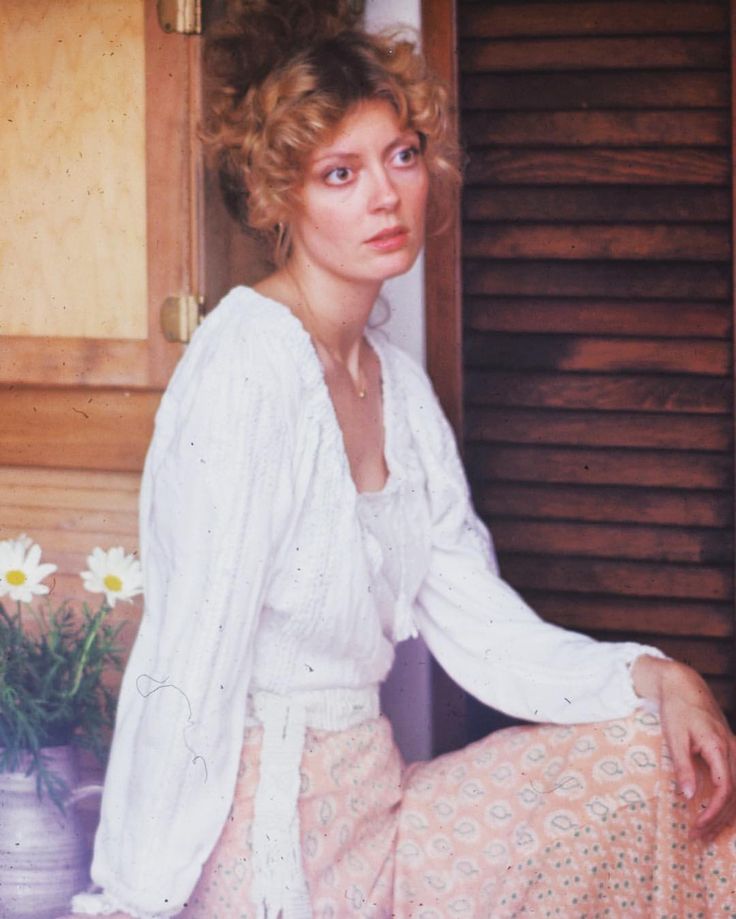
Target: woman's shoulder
(246,339)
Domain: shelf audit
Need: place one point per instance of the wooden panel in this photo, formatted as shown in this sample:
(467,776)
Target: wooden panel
(666,469)
(648,543)
(693,242)
(604,90)
(74,170)
(626,279)
(597,203)
(508,19)
(598,165)
(169,74)
(595,429)
(644,52)
(601,392)
(599,317)
(571,352)
(76,427)
(683,618)
(619,129)
(630,579)
(598,313)
(681,508)
(69,512)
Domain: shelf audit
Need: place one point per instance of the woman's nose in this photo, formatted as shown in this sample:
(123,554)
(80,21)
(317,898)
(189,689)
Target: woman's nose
(384,193)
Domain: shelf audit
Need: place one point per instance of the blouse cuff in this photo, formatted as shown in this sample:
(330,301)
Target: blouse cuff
(103,904)
(632,652)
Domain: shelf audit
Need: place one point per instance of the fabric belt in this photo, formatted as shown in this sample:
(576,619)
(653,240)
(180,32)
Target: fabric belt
(279,884)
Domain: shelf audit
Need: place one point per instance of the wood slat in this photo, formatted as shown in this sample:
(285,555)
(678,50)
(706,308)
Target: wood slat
(645,52)
(580,466)
(583,353)
(89,480)
(76,427)
(710,657)
(723,690)
(77,499)
(24,518)
(681,618)
(596,165)
(585,129)
(597,203)
(598,317)
(609,503)
(622,541)
(595,429)
(624,279)
(507,20)
(694,242)
(600,392)
(642,579)
(632,89)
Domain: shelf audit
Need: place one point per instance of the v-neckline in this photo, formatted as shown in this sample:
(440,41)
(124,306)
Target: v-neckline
(387,397)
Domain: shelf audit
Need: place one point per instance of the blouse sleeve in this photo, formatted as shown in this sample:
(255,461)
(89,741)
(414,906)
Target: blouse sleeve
(481,631)
(209,515)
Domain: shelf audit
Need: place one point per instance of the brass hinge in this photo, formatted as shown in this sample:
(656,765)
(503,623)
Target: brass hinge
(183,16)
(180,316)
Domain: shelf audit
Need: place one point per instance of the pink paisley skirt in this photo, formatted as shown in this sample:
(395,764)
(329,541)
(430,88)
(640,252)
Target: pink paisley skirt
(541,821)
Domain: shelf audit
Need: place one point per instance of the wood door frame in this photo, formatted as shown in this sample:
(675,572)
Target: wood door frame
(732,10)
(443,293)
(443,281)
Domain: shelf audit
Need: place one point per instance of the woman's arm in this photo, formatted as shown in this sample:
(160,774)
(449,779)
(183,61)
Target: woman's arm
(215,489)
(697,734)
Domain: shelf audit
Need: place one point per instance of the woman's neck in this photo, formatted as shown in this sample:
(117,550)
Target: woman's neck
(333,310)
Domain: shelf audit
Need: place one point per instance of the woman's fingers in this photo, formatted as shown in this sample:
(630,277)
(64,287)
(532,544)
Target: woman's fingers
(719,754)
(682,761)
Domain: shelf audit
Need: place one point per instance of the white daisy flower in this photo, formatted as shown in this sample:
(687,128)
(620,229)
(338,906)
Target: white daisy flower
(113,573)
(20,571)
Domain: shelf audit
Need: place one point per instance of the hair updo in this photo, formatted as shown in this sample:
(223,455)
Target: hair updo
(283,75)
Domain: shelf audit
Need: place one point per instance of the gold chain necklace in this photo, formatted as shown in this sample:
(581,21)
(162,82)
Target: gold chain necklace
(360,387)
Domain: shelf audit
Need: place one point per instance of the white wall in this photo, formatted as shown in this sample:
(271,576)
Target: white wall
(406,695)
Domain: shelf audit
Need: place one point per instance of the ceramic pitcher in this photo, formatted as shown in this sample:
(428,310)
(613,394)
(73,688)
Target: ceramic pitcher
(44,857)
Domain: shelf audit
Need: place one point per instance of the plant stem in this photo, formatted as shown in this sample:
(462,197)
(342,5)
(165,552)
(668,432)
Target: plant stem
(104,610)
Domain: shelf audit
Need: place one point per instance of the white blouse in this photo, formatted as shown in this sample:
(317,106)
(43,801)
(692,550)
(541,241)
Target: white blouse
(265,579)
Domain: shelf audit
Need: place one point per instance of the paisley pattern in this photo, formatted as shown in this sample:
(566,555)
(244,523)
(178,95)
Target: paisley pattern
(546,821)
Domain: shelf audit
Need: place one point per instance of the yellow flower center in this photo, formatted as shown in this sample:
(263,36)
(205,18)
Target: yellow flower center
(15,577)
(113,582)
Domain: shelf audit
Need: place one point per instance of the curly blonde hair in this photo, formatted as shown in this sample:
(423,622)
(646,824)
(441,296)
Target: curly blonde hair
(267,117)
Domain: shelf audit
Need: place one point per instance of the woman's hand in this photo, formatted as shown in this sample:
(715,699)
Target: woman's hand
(697,734)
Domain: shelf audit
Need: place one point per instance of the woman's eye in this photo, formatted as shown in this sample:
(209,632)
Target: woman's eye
(338,176)
(407,156)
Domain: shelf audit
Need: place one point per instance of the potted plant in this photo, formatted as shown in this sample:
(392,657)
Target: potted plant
(52,698)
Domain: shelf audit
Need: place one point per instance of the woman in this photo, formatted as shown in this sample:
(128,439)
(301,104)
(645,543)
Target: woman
(303,509)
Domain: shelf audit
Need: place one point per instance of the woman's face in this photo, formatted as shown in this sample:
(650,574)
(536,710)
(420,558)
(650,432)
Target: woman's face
(361,214)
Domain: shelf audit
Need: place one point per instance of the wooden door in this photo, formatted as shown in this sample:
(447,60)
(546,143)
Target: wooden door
(597,313)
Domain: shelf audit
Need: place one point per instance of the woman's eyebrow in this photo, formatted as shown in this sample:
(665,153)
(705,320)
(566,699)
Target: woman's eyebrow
(340,154)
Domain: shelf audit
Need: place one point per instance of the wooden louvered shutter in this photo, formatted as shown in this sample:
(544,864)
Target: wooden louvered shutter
(597,309)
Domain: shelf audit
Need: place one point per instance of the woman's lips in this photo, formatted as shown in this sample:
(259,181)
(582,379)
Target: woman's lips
(389,240)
